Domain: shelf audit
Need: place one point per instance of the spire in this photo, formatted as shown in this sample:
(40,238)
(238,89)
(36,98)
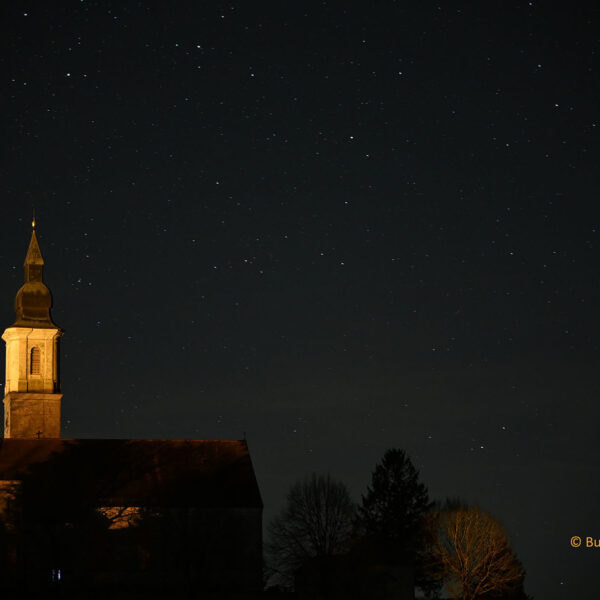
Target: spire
(33,301)
(33,261)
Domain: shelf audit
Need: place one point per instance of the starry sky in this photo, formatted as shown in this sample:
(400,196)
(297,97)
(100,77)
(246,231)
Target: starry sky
(332,227)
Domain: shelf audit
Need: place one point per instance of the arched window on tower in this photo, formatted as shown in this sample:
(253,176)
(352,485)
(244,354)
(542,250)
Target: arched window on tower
(36,360)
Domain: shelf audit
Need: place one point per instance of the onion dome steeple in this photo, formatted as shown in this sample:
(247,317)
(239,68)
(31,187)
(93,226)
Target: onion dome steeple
(34,300)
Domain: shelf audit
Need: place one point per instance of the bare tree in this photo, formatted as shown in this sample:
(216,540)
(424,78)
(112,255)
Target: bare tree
(470,548)
(315,522)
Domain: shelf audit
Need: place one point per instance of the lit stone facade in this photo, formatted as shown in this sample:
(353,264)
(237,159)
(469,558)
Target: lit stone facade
(23,374)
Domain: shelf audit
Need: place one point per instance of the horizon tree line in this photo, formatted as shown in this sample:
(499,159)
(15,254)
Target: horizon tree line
(342,549)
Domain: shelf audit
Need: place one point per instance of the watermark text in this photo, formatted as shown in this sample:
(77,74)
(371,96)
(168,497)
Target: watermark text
(585,542)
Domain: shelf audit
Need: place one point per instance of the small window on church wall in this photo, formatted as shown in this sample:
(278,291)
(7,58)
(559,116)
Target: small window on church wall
(35,361)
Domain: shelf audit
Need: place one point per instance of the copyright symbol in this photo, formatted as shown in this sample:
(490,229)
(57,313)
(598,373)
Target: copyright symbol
(575,541)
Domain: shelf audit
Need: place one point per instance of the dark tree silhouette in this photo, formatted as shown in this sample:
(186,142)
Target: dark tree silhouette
(472,550)
(315,522)
(391,516)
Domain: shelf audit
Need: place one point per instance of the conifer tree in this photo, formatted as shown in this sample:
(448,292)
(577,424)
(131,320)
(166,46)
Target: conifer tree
(392,515)
(395,503)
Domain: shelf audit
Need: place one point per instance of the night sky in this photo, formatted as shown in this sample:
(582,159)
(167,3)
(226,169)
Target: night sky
(334,227)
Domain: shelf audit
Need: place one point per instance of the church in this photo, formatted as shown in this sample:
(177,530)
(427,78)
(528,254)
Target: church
(113,518)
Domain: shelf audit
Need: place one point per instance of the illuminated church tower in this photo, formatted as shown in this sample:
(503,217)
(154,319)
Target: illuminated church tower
(32,392)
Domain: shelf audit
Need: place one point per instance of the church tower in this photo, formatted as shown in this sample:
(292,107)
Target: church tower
(32,392)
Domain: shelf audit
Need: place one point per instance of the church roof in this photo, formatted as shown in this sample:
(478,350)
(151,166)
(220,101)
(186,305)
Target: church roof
(157,473)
